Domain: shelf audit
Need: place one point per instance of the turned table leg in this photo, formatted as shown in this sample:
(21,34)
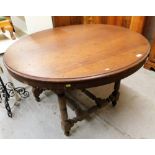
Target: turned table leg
(65,124)
(2,29)
(115,93)
(36,92)
(12,35)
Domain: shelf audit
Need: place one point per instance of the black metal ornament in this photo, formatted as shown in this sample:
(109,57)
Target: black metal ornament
(8,90)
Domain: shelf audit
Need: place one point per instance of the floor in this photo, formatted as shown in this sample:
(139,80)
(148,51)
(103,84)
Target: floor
(133,117)
(6,41)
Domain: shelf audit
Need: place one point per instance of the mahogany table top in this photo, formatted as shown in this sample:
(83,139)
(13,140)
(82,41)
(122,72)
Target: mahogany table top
(76,53)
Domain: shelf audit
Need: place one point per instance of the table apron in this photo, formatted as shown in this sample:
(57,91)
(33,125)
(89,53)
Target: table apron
(78,84)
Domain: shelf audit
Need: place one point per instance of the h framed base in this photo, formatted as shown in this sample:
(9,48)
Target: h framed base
(81,114)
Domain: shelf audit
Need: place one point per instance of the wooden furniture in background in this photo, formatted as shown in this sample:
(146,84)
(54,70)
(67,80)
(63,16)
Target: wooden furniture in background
(77,57)
(66,20)
(150,63)
(6,25)
(135,23)
(149,32)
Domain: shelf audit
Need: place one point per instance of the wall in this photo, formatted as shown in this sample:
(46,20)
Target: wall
(38,23)
(31,24)
(19,23)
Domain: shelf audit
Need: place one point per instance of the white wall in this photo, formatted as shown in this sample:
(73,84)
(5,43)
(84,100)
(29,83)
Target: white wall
(38,23)
(32,24)
(19,23)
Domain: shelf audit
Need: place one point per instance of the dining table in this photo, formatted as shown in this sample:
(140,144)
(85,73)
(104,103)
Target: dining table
(77,57)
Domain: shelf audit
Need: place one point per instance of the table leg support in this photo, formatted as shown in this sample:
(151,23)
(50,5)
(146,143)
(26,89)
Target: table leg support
(116,93)
(81,113)
(36,92)
(2,29)
(65,123)
(12,35)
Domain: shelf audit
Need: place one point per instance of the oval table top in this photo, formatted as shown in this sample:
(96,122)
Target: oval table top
(76,53)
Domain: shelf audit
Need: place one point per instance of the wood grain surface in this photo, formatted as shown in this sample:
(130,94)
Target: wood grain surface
(135,23)
(74,53)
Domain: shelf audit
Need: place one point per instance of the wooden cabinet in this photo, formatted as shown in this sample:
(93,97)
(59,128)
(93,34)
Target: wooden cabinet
(66,20)
(134,23)
(149,32)
(150,63)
